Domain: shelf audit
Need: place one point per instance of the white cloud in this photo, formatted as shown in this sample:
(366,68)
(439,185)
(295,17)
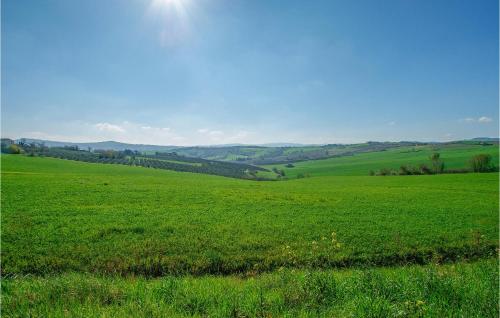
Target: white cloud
(484,119)
(127,131)
(480,120)
(109,127)
(392,123)
(215,133)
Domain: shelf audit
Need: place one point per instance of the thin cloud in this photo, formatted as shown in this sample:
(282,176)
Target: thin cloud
(480,120)
(127,131)
(109,127)
(484,119)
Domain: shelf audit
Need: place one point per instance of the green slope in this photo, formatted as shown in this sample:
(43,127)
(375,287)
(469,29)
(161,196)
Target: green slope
(455,156)
(60,216)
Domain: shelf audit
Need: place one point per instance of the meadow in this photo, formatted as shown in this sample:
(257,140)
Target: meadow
(88,239)
(454,155)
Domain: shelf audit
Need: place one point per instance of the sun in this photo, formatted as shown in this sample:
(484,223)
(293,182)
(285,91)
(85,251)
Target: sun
(178,5)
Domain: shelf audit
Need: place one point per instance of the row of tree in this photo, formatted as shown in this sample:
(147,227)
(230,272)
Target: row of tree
(478,163)
(168,161)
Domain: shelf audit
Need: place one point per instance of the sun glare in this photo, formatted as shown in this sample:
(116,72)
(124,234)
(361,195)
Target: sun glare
(178,5)
(173,16)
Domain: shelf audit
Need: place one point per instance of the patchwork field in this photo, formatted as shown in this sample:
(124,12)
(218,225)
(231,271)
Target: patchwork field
(82,239)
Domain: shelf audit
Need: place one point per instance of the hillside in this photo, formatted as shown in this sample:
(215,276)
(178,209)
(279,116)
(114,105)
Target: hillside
(167,161)
(81,238)
(276,153)
(454,156)
(114,218)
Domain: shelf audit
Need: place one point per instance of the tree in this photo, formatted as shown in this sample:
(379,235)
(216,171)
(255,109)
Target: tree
(481,163)
(437,163)
(14,149)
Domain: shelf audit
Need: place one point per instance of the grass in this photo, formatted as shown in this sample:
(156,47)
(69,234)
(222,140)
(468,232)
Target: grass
(458,290)
(62,216)
(455,156)
(93,240)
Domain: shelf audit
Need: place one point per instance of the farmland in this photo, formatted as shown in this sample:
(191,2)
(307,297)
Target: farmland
(189,244)
(454,155)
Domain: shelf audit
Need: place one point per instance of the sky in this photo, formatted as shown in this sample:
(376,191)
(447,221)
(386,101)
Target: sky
(204,72)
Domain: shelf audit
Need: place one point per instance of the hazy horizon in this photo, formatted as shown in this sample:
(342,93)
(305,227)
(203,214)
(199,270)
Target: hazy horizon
(209,72)
(269,144)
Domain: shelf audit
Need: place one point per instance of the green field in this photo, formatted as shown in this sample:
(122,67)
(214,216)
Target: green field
(119,227)
(455,156)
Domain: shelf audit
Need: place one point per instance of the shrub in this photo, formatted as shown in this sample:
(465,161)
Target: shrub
(481,163)
(415,170)
(425,170)
(437,163)
(404,171)
(14,149)
(385,172)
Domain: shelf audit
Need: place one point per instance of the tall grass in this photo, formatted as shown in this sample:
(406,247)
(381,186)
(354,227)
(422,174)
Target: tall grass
(460,290)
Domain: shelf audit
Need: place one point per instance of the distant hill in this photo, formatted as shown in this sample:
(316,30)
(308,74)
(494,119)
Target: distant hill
(490,139)
(284,144)
(263,154)
(102,145)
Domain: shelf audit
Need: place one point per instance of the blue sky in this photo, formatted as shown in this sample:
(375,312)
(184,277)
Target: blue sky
(192,72)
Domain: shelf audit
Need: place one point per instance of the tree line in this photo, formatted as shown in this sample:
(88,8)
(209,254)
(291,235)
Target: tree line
(167,161)
(478,163)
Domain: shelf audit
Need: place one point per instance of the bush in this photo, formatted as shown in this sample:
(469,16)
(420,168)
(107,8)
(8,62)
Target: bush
(404,171)
(437,163)
(425,170)
(481,163)
(385,172)
(14,149)
(289,165)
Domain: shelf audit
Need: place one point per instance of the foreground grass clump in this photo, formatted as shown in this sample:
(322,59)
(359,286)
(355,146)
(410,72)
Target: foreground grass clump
(460,290)
(64,216)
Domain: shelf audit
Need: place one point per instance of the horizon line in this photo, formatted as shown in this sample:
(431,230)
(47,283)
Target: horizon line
(270,144)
